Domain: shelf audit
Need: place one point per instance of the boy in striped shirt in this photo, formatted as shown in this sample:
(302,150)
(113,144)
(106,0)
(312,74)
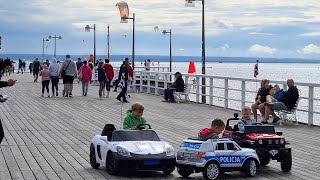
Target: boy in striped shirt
(246,119)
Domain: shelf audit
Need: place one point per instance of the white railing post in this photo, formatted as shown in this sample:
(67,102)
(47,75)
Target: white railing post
(211,92)
(156,90)
(141,81)
(310,111)
(134,82)
(165,81)
(198,90)
(148,82)
(243,94)
(226,93)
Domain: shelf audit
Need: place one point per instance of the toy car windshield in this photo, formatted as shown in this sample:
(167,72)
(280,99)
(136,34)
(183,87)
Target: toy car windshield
(263,129)
(125,135)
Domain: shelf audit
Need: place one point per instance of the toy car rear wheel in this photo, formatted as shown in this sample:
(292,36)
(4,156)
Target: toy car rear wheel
(168,170)
(211,171)
(264,161)
(93,160)
(185,172)
(111,165)
(250,167)
(286,163)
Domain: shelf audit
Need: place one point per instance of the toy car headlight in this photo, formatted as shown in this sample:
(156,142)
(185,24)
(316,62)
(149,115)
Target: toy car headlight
(260,141)
(282,141)
(122,151)
(169,151)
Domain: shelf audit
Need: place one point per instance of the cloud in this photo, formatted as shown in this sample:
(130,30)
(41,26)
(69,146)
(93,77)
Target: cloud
(310,49)
(224,47)
(310,34)
(262,49)
(181,49)
(259,33)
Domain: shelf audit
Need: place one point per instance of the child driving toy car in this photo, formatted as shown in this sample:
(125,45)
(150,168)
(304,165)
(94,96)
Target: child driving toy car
(246,119)
(134,117)
(217,126)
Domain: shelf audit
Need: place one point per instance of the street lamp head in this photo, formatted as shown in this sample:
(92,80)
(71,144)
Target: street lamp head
(60,37)
(47,40)
(50,37)
(124,19)
(87,28)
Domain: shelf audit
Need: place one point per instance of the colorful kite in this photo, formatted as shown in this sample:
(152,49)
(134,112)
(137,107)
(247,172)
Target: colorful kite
(124,36)
(124,11)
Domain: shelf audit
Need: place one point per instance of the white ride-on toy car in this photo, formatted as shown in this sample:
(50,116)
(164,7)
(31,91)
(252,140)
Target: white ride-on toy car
(215,156)
(131,150)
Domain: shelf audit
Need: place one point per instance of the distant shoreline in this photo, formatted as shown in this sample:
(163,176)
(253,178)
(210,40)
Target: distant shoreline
(156,58)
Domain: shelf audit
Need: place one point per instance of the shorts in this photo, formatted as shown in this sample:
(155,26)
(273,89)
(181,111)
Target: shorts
(68,79)
(278,106)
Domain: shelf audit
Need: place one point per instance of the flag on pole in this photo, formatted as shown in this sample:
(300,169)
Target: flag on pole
(256,69)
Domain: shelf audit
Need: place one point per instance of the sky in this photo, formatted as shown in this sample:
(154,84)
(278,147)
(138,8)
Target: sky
(246,28)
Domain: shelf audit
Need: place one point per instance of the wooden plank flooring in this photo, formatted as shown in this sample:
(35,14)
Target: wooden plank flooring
(49,138)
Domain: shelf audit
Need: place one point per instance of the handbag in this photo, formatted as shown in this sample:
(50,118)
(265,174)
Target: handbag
(64,71)
(80,75)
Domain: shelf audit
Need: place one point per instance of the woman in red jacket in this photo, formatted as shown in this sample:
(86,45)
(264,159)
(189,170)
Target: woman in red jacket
(86,77)
(109,75)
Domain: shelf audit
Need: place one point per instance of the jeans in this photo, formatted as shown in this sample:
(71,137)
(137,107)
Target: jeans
(102,84)
(168,94)
(107,85)
(85,88)
(123,93)
(54,81)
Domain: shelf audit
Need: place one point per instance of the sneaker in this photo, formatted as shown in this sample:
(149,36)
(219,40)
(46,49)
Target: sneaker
(126,102)
(275,120)
(118,99)
(100,97)
(264,122)
(57,93)
(115,90)
(70,95)
(66,95)
(165,101)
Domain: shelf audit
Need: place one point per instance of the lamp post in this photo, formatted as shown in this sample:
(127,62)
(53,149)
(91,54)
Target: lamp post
(169,32)
(108,56)
(43,40)
(87,28)
(55,37)
(190,3)
(133,24)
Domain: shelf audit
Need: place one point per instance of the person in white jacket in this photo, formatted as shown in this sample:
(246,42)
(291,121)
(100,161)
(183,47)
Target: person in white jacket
(54,76)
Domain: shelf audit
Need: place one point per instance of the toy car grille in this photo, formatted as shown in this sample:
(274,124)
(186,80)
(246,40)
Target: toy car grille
(149,156)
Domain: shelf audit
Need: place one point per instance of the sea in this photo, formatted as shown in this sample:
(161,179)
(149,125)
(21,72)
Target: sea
(302,71)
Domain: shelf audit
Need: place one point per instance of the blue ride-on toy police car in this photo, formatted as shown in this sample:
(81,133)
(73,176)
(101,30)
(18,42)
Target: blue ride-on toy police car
(215,156)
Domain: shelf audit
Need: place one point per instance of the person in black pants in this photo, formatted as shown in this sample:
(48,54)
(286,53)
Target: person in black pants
(177,86)
(123,76)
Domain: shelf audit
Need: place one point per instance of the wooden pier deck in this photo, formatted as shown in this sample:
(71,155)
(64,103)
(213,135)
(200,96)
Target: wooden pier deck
(49,138)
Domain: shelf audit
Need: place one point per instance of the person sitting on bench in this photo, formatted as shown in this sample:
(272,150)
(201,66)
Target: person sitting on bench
(177,86)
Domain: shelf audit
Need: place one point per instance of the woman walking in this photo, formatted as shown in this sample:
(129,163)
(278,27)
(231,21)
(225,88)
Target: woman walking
(86,77)
(101,78)
(54,76)
(109,75)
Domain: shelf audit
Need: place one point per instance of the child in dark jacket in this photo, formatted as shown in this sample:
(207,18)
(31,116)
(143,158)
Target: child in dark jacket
(101,78)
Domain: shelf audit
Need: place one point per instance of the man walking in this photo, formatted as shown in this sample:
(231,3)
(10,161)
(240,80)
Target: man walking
(123,76)
(68,71)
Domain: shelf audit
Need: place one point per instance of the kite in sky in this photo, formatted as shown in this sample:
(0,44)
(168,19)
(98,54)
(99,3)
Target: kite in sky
(124,11)
(156,28)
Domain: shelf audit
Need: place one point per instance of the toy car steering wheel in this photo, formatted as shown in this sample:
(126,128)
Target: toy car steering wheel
(142,126)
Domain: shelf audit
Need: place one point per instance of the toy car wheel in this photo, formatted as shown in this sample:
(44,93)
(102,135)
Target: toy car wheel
(111,165)
(264,161)
(211,171)
(250,167)
(93,161)
(185,172)
(286,163)
(168,170)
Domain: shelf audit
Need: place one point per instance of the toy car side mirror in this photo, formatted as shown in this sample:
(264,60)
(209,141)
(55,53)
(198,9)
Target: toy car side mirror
(104,138)
(279,133)
(235,115)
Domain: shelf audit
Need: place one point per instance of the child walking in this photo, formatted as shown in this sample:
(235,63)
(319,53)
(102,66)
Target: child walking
(101,78)
(45,78)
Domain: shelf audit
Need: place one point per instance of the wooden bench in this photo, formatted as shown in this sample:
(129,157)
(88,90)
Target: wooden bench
(183,96)
(289,115)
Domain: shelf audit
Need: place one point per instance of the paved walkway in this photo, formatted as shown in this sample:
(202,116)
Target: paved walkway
(49,138)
